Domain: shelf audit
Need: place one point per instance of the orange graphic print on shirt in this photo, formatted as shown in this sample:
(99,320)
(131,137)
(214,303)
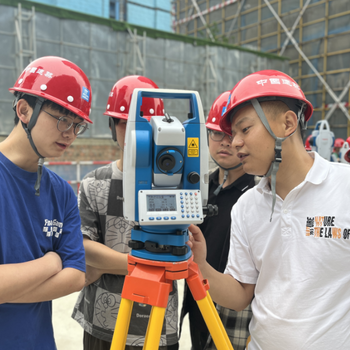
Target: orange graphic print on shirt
(324,227)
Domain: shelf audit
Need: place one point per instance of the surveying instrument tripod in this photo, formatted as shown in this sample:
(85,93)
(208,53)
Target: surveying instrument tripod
(165,186)
(150,282)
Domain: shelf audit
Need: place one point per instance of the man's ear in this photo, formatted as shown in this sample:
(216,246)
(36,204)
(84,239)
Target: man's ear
(24,111)
(290,122)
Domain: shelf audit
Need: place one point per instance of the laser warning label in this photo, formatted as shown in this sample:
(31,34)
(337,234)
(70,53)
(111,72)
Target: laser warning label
(193,147)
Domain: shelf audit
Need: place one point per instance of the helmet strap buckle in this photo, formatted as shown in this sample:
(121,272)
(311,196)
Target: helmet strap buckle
(278,155)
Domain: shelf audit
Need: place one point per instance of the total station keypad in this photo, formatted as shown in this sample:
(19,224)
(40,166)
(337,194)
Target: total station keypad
(189,205)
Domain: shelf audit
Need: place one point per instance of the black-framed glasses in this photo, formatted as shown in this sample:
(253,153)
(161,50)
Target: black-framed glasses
(218,135)
(64,123)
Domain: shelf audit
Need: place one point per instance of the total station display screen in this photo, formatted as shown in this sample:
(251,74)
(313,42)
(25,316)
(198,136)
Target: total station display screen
(161,202)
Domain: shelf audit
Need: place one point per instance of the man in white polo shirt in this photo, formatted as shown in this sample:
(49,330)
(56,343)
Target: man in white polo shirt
(289,234)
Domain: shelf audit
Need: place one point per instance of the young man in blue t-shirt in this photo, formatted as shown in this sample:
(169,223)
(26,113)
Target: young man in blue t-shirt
(41,248)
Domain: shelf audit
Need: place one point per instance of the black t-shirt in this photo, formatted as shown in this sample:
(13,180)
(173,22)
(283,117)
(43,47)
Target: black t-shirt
(216,230)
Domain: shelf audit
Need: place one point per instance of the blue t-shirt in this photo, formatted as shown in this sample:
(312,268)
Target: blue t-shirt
(31,226)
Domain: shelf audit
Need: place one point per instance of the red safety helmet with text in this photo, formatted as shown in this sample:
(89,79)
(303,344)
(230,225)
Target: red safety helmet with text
(119,99)
(338,143)
(265,85)
(216,111)
(268,85)
(58,80)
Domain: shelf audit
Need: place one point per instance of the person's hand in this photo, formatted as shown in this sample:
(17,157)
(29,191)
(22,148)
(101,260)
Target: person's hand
(54,260)
(197,244)
(92,274)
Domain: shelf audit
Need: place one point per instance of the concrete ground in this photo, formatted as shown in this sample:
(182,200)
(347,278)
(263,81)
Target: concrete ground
(69,334)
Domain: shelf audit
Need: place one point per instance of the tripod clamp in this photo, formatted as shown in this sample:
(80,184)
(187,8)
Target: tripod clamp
(210,210)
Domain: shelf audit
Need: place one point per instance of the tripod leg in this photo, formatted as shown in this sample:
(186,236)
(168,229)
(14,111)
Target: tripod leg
(218,326)
(218,320)
(122,325)
(154,328)
(248,341)
(199,289)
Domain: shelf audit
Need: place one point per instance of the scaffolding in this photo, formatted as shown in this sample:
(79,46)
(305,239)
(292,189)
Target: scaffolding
(108,50)
(314,34)
(138,49)
(26,46)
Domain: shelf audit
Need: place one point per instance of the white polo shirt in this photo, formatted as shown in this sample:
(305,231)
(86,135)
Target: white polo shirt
(300,262)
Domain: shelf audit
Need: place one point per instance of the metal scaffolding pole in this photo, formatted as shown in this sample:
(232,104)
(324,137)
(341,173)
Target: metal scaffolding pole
(294,26)
(190,11)
(241,4)
(210,80)
(194,2)
(302,54)
(138,58)
(23,51)
(335,105)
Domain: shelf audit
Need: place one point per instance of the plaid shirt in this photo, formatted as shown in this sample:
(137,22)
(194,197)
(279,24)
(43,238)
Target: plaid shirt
(236,325)
(101,211)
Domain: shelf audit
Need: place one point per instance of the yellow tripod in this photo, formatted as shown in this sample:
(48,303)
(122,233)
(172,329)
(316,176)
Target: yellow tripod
(150,282)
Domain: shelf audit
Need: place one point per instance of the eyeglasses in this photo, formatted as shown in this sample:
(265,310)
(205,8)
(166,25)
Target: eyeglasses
(64,123)
(218,135)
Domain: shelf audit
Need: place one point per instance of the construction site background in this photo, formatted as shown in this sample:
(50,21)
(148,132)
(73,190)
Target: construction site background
(108,50)
(205,59)
(313,34)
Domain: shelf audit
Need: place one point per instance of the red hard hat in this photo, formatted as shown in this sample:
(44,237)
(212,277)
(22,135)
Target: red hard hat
(265,83)
(216,111)
(58,80)
(119,99)
(307,143)
(338,142)
(347,156)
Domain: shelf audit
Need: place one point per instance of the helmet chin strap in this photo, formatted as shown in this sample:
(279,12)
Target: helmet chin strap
(28,128)
(114,134)
(226,170)
(278,149)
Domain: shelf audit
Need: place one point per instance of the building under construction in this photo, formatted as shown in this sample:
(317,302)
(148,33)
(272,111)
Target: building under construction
(108,50)
(313,34)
